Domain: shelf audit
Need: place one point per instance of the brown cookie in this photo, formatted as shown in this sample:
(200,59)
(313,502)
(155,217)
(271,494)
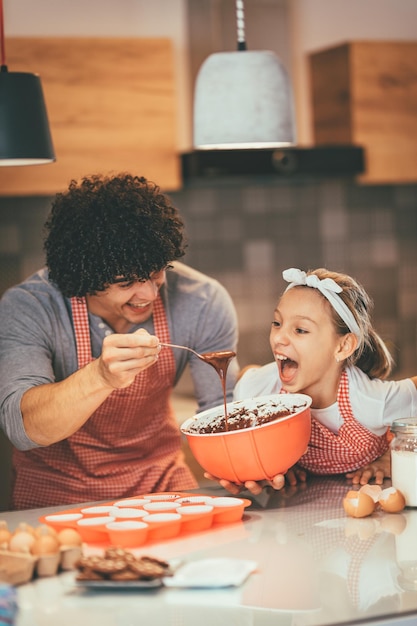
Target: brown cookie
(109,566)
(119,564)
(146,570)
(86,562)
(116,553)
(131,558)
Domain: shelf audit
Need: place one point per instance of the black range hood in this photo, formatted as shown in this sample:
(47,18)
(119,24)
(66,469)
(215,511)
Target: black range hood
(335,160)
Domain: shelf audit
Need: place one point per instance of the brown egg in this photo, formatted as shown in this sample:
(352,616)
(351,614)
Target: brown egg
(45,544)
(69,537)
(21,541)
(358,504)
(391,500)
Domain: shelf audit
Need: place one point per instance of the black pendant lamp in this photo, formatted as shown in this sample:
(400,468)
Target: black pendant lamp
(25,138)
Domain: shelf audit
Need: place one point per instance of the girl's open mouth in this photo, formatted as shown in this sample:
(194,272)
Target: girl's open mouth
(287,368)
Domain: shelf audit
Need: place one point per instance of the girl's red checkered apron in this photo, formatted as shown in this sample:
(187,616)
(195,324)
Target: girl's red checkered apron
(351,448)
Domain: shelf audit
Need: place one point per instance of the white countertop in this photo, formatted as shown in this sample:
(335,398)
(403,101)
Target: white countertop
(315,567)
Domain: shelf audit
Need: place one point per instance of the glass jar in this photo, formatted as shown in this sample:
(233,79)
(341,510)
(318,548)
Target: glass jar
(404,458)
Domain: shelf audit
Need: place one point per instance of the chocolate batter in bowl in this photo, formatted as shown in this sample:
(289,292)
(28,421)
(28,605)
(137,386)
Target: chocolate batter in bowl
(265,436)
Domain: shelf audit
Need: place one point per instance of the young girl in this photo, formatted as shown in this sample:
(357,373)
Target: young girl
(324,345)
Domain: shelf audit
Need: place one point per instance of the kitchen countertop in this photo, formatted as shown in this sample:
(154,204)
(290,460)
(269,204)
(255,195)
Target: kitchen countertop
(315,567)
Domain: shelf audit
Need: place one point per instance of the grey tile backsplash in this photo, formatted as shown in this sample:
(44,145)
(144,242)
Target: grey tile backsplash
(246,231)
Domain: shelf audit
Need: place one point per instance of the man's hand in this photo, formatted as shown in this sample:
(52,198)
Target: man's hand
(378,469)
(75,398)
(125,355)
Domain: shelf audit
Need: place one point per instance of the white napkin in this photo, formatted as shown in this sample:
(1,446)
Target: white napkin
(216,572)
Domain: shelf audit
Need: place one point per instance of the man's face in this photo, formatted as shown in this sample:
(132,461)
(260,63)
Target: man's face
(124,304)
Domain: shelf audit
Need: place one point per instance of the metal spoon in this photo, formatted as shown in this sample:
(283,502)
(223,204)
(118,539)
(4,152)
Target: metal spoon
(173,345)
(213,358)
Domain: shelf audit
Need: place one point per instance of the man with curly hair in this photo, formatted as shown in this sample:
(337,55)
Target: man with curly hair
(85,384)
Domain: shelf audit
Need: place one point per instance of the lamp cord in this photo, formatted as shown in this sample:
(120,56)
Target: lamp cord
(3,67)
(240,18)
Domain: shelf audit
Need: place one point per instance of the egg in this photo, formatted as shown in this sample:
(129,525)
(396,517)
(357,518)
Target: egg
(358,504)
(69,537)
(45,544)
(21,541)
(391,500)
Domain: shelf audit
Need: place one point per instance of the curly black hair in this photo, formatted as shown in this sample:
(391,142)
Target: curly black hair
(103,228)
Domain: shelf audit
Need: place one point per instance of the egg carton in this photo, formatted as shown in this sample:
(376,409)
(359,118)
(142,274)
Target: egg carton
(17,568)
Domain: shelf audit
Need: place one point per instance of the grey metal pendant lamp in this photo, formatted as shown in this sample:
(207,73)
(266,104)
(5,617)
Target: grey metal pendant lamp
(243,99)
(25,137)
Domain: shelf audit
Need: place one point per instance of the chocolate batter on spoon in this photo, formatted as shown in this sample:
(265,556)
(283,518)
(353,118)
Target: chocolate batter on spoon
(219,360)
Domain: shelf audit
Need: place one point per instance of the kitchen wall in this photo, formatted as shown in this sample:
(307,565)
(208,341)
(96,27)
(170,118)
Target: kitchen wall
(245,231)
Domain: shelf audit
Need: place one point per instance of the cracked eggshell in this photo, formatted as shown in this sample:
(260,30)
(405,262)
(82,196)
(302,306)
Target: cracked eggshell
(391,500)
(358,504)
(372,490)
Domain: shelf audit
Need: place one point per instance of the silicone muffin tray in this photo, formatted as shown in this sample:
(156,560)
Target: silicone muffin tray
(133,522)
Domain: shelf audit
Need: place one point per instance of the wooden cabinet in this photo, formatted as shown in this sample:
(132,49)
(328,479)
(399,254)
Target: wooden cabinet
(365,93)
(111,105)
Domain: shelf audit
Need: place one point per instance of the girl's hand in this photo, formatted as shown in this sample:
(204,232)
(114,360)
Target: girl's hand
(294,475)
(378,469)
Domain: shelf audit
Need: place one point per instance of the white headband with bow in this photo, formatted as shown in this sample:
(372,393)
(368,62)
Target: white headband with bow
(329,288)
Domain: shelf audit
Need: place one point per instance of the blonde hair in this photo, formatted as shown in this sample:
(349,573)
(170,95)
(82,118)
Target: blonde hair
(371,355)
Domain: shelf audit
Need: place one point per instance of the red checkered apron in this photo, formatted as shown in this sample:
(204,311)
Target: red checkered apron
(130,445)
(346,451)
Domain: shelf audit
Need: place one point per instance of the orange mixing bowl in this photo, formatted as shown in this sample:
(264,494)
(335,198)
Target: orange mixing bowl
(254,453)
